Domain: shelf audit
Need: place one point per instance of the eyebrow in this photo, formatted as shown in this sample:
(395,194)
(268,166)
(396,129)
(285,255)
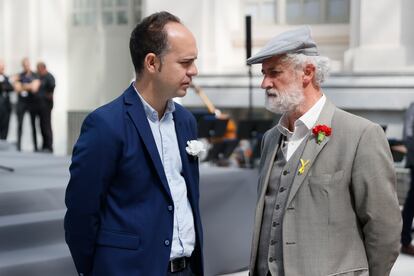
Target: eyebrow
(189,58)
(273,68)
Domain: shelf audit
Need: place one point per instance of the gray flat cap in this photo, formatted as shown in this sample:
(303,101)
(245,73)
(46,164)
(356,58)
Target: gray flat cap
(295,41)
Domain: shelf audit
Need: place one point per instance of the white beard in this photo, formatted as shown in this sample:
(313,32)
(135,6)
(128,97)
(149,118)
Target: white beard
(285,100)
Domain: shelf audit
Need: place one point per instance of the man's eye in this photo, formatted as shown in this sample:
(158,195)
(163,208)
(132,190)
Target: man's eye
(274,73)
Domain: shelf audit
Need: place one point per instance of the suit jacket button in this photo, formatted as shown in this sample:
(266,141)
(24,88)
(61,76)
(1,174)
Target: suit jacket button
(285,172)
(167,242)
(170,208)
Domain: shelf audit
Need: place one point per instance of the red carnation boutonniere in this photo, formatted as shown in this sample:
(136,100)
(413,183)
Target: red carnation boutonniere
(320,132)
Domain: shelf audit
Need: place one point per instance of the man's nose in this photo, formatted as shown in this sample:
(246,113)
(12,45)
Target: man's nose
(266,83)
(192,71)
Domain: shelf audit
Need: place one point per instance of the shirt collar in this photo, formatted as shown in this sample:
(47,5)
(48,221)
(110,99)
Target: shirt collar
(307,120)
(150,112)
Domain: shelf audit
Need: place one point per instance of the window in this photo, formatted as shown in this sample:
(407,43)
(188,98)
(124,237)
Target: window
(84,12)
(303,11)
(262,10)
(106,12)
(317,11)
(115,12)
(299,11)
(338,11)
(137,11)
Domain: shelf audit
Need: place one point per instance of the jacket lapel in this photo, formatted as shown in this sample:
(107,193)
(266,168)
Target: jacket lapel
(312,149)
(273,144)
(135,110)
(182,138)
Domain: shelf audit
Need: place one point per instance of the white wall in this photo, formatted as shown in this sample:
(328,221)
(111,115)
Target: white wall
(382,36)
(52,49)
(92,65)
(100,67)
(37,29)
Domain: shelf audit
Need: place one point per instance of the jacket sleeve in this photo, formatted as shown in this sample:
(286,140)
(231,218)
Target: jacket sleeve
(376,203)
(6,85)
(93,166)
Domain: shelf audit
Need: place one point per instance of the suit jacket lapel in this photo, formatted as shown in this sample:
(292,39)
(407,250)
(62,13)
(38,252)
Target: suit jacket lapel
(273,144)
(136,112)
(312,148)
(182,137)
(270,149)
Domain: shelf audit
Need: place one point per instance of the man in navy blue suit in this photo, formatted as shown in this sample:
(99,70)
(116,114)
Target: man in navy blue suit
(133,193)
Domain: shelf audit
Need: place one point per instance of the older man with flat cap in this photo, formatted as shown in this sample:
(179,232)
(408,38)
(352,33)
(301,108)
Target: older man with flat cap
(327,202)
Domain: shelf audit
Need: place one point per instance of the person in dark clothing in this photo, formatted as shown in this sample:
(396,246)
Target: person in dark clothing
(5,105)
(408,210)
(45,98)
(27,84)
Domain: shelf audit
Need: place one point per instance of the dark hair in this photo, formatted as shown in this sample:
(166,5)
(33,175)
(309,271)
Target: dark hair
(149,36)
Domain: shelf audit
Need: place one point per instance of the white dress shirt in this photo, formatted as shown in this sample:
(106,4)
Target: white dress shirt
(302,128)
(165,138)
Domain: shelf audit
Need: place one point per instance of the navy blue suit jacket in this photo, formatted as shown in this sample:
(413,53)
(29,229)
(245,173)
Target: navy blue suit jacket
(409,135)
(119,219)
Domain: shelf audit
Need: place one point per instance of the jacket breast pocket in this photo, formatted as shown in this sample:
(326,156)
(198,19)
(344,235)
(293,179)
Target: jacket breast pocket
(323,180)
(353,272)
(322,195)
(118,239)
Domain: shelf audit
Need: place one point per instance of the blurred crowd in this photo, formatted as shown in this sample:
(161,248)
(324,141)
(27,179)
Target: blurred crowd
(34,91)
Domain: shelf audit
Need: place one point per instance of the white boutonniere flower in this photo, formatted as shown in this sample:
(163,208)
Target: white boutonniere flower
(194,147)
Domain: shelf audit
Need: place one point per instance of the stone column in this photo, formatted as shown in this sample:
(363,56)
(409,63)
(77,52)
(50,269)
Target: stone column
(380,36)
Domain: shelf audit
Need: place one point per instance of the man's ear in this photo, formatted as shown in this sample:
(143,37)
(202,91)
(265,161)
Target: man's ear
(151,63)
(308,74)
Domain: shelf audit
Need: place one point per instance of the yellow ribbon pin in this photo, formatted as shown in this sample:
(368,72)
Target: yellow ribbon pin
(303,165)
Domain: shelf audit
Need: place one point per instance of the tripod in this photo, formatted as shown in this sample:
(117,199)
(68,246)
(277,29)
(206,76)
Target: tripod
(6,168)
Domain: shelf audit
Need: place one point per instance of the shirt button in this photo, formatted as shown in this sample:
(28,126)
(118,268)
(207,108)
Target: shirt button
(277,207)
(285,172)
(170,208)
(167,242)
(272,242)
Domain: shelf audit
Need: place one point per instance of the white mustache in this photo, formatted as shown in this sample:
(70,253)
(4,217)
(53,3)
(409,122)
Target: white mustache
(272,92)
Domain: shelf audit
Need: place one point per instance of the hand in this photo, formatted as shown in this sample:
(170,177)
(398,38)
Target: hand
(18,86)
(26,86)
(35,85)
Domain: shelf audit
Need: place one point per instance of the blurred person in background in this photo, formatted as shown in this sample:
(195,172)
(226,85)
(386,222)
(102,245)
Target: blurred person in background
(26,85)
(327,188)
(408,210)
(5,105)
(133,195)
(44,97)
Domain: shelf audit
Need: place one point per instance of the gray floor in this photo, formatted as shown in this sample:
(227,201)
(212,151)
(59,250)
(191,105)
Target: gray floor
(403,267)
(31,211)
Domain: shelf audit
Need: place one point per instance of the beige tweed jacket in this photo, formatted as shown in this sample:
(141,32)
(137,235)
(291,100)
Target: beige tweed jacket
(342,216)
